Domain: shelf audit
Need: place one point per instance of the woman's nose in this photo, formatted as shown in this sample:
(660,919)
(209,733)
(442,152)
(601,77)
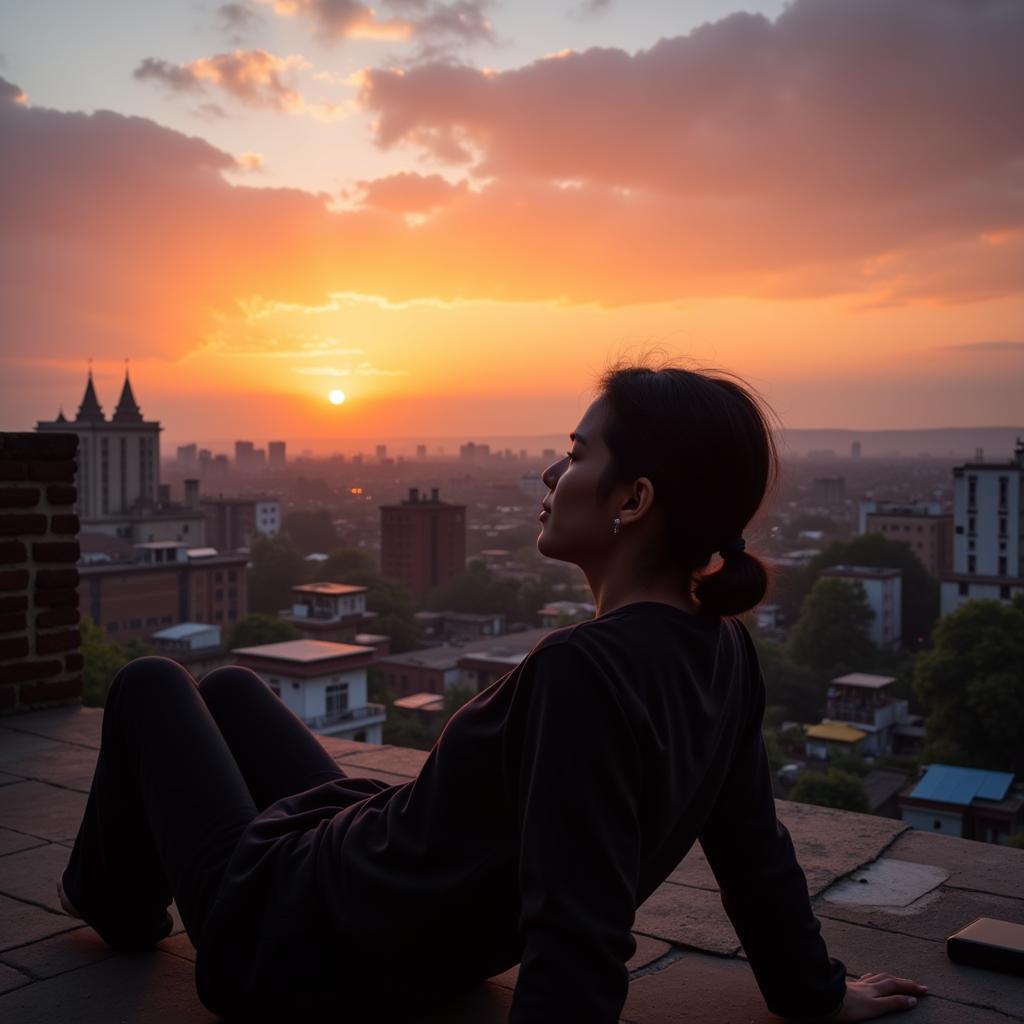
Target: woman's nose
(551,474)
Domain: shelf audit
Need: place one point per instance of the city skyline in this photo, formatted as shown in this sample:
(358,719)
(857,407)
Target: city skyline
(460,214)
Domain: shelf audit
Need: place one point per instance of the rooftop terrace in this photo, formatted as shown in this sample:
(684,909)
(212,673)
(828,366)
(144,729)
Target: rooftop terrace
(887,897)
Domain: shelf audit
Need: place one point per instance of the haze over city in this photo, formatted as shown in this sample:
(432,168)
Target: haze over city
(458,214)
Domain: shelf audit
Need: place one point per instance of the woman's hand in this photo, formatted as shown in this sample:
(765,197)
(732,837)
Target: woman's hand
(875,995)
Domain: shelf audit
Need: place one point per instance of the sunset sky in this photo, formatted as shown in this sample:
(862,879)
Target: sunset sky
(458,212)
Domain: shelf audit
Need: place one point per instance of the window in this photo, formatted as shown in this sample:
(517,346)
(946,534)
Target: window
(275,689)
(232,576)
(1004,486)
(1002,526)
(219,616)
(218,595)
(972,563)
(972,491)
(1004,592)
(971,524)
(962,588)
(336,698)
(1002,566)
(218,577)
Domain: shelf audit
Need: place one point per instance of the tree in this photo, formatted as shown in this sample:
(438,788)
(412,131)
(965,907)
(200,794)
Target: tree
(103,659)
(341,564)
(831,635)
(972,686)
(396,612)
(919,603)
(310,530)
(834,788)
(789,685)
(254,630)
(277,566)
(477,590)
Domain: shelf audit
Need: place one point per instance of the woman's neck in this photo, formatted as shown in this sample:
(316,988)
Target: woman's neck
(613,590)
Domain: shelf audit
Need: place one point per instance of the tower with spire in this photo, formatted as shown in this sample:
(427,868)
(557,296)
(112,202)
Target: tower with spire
(118,458)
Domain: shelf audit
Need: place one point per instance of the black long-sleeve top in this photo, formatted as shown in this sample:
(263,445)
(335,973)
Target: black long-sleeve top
(551,806)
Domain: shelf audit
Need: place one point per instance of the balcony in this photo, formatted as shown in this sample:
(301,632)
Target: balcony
(365,714)
(911,889)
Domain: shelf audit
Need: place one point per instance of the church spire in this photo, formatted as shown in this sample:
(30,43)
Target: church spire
(90,409)
(127,410)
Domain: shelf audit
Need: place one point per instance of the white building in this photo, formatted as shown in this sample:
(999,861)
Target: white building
(988,532)
(323,683)
(884,591)
(267,514)
(864,701)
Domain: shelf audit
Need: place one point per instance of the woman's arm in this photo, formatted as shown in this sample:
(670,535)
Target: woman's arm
(578,780)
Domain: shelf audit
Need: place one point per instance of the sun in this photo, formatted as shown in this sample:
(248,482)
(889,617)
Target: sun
(337,397)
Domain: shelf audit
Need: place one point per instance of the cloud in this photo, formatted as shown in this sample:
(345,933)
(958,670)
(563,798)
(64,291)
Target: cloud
(435,25)
(877,157)
(363,369)
(237,20)
(408,192)
(984,346)
(11,93)
(341,19)
(255,78)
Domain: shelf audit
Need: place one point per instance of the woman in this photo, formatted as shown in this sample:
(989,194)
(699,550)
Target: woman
(552,805)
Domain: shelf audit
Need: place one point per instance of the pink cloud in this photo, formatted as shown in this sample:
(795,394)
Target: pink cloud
(408,192)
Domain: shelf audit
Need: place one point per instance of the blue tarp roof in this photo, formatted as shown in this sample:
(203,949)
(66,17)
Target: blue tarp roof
(949,784)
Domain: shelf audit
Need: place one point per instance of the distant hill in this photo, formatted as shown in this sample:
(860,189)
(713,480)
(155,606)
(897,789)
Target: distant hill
(997,443)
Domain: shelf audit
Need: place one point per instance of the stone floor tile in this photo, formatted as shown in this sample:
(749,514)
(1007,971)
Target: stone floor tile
(935,915)
(17,746)
(694,870)
(647,951)
(179,945)
(12,842)
(698,989)
(337,747)
(59,953)
(21,923)
(31,875)
(141,988)
(355,771)
(73,724)
(11,979)
(67,765)
(984,867)
(687,917)
(397,760)
(831,843)
(39,809)
(866,950)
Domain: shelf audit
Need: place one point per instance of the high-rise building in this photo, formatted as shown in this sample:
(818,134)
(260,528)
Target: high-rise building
(276,454)
(244,455)
(118,459)
(988,531)
(924,527)
(421,451)
(884,591)
(422,541)
(471,452)
(187,456)
(381,451)
(855,449)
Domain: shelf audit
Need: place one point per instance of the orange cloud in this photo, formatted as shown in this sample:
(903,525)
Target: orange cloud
(253,77)
(408,192)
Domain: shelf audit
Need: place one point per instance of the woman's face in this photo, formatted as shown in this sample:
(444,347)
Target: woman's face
(574,525)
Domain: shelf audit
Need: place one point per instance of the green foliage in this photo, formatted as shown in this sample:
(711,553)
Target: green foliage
(920,590)
(341,563)
(1016,841)
(776,755)
(396,612)
(849,761)
(972,686)
(795,688)
(310,530)
(261,629)
(277,566)
(477,590)
(103,659)
(831,636)
(834,788)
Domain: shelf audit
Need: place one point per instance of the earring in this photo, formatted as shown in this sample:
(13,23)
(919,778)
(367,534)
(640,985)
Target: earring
(616,525)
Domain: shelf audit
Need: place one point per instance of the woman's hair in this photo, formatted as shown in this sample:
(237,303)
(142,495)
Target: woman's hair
(703,440)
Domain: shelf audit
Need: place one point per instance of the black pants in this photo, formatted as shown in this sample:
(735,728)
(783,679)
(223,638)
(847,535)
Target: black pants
(182,770)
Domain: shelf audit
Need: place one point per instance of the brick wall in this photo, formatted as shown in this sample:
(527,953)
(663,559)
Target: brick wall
(40,662)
